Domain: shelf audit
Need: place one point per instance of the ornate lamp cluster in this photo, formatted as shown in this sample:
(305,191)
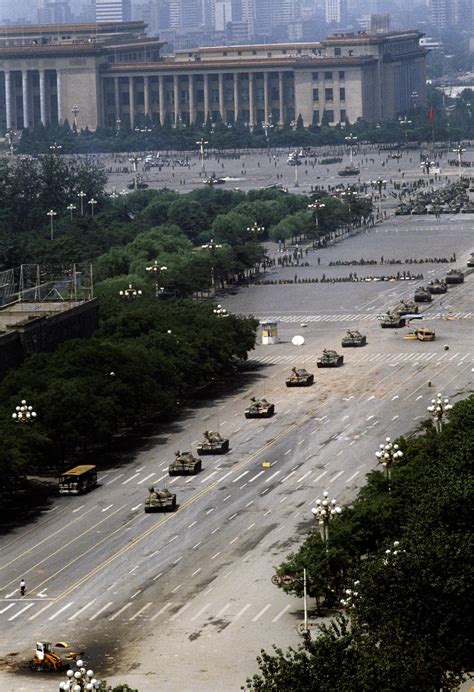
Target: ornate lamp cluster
(24,413)
(439,408)
(81,679)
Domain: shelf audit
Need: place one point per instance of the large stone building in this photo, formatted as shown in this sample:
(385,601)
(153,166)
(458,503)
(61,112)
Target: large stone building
(113,75)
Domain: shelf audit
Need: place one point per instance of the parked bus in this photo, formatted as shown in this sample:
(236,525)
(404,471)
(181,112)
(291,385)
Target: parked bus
(78,480)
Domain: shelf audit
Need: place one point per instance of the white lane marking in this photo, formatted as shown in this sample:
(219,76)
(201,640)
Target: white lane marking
(272,476)
(241,476)
(256,476)
(130,479)
(303,477)
(334,478)
(146,478)
(165,607)
(241,612)
(139,612)
(196,571)
(320,476)
(178,612)
(208,605)
(78,509)
(61,610)
(209,476)
(193,523)
(214,556)
(81,610)
(33,617)
(101,610)
(281,613)
(115,479)
(27,607)
(264,610)
(222,610)
(106,508)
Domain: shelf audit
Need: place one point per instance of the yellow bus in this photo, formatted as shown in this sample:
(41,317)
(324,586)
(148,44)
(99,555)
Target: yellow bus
(78,480)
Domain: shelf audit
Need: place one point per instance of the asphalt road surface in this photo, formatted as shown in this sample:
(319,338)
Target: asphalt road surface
(184,601)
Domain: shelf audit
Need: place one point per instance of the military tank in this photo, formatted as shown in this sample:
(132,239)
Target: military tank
(259,408)
(300,378)
(213,443)
(454,276)
(422,295)
(330,359)
(184,464)
(353,338)
(437,286)
(406,307)
(393,320)
(160,500)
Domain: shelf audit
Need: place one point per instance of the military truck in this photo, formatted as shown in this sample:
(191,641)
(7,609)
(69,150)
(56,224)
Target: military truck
(353,338)
(184,464)
(259,408)
(329,359)
(437,286)
(213,443)
(422,295)
(160,500)
(300,378)
(454,276)
(393,320)
(406,307)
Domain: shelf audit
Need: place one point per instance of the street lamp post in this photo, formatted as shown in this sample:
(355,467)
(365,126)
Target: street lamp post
(24,413)
(75,113)
(155,270)
(351,139)
(81,196)
(71,208)
(80,680)
(51,213)
(130,292)
(439,408)
(92,202)
(459,151)
(212,247)
(388,455)
(201,144)
(324,511)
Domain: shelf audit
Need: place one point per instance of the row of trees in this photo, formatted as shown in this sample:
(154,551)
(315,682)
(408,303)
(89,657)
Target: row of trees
(408,616)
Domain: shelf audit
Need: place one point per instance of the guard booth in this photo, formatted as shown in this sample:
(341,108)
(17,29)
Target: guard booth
(269,333)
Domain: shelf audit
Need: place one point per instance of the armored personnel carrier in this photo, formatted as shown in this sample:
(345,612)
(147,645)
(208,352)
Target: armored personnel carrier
(437,286)
(213,443)
(259,408)
(454,276)
(353,338)
(422,295)
(393,320)
(160,501)
(300,378)
(184,464)
(406,307)
(330,359)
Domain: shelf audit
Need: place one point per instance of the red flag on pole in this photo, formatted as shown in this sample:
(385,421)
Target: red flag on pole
(432,115)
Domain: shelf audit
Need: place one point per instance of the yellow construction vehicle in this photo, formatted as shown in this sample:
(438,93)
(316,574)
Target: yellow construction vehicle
(47,659)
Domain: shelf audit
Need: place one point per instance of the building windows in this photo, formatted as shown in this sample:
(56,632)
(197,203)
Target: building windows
(316,76)
(342,94)
(329,94)
(328,75)
(342,74)
(330,116)
(315,94)
(337,52)
(343,115)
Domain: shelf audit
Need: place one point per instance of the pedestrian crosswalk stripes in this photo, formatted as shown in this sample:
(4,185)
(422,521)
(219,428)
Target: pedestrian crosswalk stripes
(356,359)
(357,317)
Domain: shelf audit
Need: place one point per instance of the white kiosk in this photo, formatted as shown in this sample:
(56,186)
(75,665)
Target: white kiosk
(269,333)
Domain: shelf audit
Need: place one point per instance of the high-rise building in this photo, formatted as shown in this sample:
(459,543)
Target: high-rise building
(335,11)
(113,10)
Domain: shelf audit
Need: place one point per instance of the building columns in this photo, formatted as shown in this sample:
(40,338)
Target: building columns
(146,93)
(251,102)
(236,96)
(25,94)
(161,96)
(176,99)
(42,87)
(221,98)
(59,96)
(266,99)
(131,99)
(206,97)
(192,111)
(117,102)
(281,117)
